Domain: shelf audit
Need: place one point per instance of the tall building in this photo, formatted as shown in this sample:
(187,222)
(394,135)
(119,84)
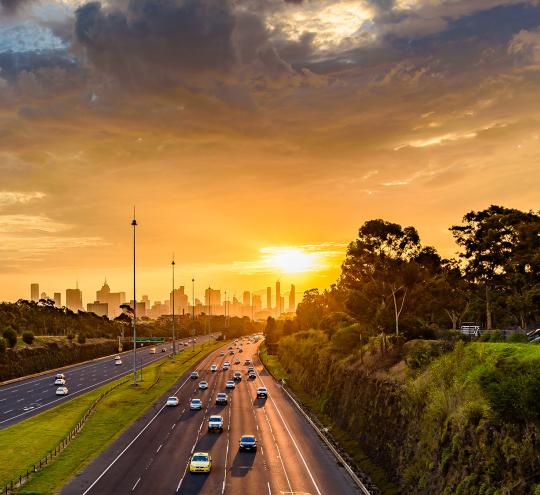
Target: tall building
(180,300)
(100,309)
(58,299)
(278,298)
(246,298)
(34,292)
(146,300)
(112,299)
(74,299)
(269,298)
(281,304)
(256,302)
(292,299)
(141,308)
(212,297)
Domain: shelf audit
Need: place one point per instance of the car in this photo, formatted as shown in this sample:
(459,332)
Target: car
(59,375)
(163,349)
(195,404)
(248,443)
(237,361)
(240,350)
(222,353)
(59,382)
(186,343)
(115,357)
(194,375)
(172,401)
(61,391)
(201,462)
(117,361)
(247,362)
(262,393)
(230,384)
(152,350)
(213,368)
(237,376)
(230,347)
(221,399)
(215,423)
(251,369)
(203,385)
(231,353)
(252,376)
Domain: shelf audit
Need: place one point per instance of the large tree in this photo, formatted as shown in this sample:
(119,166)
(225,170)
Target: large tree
(501,250)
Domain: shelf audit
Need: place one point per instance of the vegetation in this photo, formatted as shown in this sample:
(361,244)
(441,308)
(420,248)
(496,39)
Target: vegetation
(22,447)
(10,336)
(28,337)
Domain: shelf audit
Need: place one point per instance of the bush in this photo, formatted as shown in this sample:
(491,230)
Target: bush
(3,345)
(28,337)
(81,338)
(11,337)
(70,337)
(517,338)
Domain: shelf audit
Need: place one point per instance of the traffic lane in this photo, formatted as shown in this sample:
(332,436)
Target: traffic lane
(16,404)
(246,471)
(216,444)
(114,465)
(311,467)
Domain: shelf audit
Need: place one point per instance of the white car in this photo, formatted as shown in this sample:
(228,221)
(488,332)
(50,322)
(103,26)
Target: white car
(153,350)
(117,361)
(194,375)
(237,361)
(203,385)
(213,368)
(262,393)
(215,423)
(226,366)
(230,384)
(195,404)
(61,391)
(172,401)
(59,375)
(222,353)
(60,382)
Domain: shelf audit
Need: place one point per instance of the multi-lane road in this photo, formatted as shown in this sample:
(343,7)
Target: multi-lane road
(25,398)
(152,456)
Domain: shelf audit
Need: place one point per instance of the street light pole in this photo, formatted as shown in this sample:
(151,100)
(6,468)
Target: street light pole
(173,329)
(193,317)
(134,224)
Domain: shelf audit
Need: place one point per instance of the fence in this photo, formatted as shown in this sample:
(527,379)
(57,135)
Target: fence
(43,463)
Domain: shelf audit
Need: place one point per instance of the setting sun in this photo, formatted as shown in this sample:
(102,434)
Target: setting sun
(290,260)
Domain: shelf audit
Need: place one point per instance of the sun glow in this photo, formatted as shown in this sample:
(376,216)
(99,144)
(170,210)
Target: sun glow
(292,260)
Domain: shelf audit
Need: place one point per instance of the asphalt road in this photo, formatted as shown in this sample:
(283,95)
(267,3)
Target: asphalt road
(153,455)
(26,398)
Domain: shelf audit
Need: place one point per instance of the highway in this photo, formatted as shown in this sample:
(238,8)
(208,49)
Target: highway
(153,455)
(28,397)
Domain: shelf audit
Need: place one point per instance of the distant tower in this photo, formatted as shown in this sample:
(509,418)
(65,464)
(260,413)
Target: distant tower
(292,301)
(269,297)
(74,299)
(278,298)
(246,298)
(34,292)
(58,299)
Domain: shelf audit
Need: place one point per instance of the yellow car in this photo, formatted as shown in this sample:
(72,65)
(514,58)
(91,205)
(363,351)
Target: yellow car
(201,462)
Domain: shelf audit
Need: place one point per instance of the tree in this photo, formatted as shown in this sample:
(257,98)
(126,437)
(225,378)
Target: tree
(501,250)
(28,337)
(11,336)
(81,338)
(3,345)
(310,311)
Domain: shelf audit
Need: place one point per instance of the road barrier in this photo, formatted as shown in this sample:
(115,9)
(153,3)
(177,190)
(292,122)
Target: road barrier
(53,453)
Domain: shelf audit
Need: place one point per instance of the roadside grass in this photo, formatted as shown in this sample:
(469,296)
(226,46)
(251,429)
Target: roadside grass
(272,364)
(32,439)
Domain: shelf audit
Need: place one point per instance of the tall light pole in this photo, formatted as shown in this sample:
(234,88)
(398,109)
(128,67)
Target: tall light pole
(134,224)
(193,317)
(173,332)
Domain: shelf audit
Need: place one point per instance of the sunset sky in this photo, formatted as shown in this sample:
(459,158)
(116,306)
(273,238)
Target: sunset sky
(254,136)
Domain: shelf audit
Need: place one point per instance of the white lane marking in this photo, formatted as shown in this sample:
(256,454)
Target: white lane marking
(7,412)
(293,440)
(135,485)
(159,448)
(269,489)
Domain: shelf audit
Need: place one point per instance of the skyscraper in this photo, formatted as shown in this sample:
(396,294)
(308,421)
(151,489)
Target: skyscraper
(34,292)
(278,298)
(112,299)
(292,299)
(212,297)
(246,298)
(257,304)
(58,299)
(74,299)
(268,298)
(180,300)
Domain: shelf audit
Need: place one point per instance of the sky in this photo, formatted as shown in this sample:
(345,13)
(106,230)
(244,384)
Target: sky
(254,136)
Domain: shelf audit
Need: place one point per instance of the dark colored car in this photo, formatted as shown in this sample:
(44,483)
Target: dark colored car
(248,443)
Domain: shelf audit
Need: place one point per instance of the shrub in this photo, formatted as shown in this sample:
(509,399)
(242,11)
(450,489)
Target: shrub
(28,337)
(517,337)
(11,337)
(81,338)
(3,345)
(70,337)
(496,336)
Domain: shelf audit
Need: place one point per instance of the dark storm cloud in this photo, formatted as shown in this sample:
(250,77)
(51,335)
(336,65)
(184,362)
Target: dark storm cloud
(11,6)
(158,40)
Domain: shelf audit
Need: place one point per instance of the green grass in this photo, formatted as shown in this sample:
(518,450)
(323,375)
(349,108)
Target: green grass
(272,364)
(32,439)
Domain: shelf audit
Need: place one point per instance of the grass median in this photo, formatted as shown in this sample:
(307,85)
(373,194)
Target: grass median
(28,441)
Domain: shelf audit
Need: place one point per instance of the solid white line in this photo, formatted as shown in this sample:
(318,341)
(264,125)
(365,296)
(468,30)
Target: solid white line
(269,489)
(135,485)
(159,448)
